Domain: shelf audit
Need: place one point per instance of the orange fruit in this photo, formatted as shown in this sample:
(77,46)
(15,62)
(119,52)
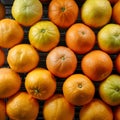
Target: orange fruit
(20,60)
(78,89)
(117,63)
(10,82)
(116,113)
(61,61)
(116,11)
(97,65)
(2,11)
(2,110)
(22,106)
(96,13)
(80,38)
(96,110)
(44,36)
(2,57)
(11,33)
(57,107)
(40,83)
(63,12)
(27,12)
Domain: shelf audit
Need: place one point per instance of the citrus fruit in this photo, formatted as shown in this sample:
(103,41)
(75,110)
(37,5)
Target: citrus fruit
(109,38)
(2,57)
(9,30)
(61,61)
(22,106)
(40,83)
(63,13)
(80,38)
(116,113)
(109,90)
(27,12)
(2,11)
(116,11)
(44,36)
(97,65)
(2,110)
(78,89)
(117,63)
(10,82)
(57,107)
(96,110)
(22,58)
(96,13)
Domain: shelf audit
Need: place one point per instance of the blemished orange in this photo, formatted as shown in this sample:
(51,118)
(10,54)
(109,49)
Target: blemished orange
(96,110)
(3,115)
(57,107)
(10,82)
(80,38)
(117,63)
(40,83)
(22,58)
(116,11)
(97,65)
(22,106)
(61,61)
(116,113)
(63,13)
(11,33)
(78,89)
(2,11)
(2,57)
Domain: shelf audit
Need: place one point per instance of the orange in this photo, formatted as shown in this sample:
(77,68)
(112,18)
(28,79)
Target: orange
(96,13)
(2,57)
(11,33)
(58,108)
(117,63)
(116,11)
(2,110)
(61,61)
(116,113)
(96,110)
(2,11)
(10,82)
(63,13)
(22,58)
(78,89)
(22,106)
(80,38)
(40,83)
(97,65)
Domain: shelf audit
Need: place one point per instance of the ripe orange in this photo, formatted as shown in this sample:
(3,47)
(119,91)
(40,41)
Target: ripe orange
(40,83)
(116,11)
(2,110)
(58,108)
(2,57)
(61,61)
(78,89)
(2,11)
(10,82)
(96,110)
(11,33)
(117,63)
(97,65)
(63,12)
(116,113)
(22,106)
(80,38)
(22,58)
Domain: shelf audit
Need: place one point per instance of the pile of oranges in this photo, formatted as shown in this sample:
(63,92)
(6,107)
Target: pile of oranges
(52,60)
